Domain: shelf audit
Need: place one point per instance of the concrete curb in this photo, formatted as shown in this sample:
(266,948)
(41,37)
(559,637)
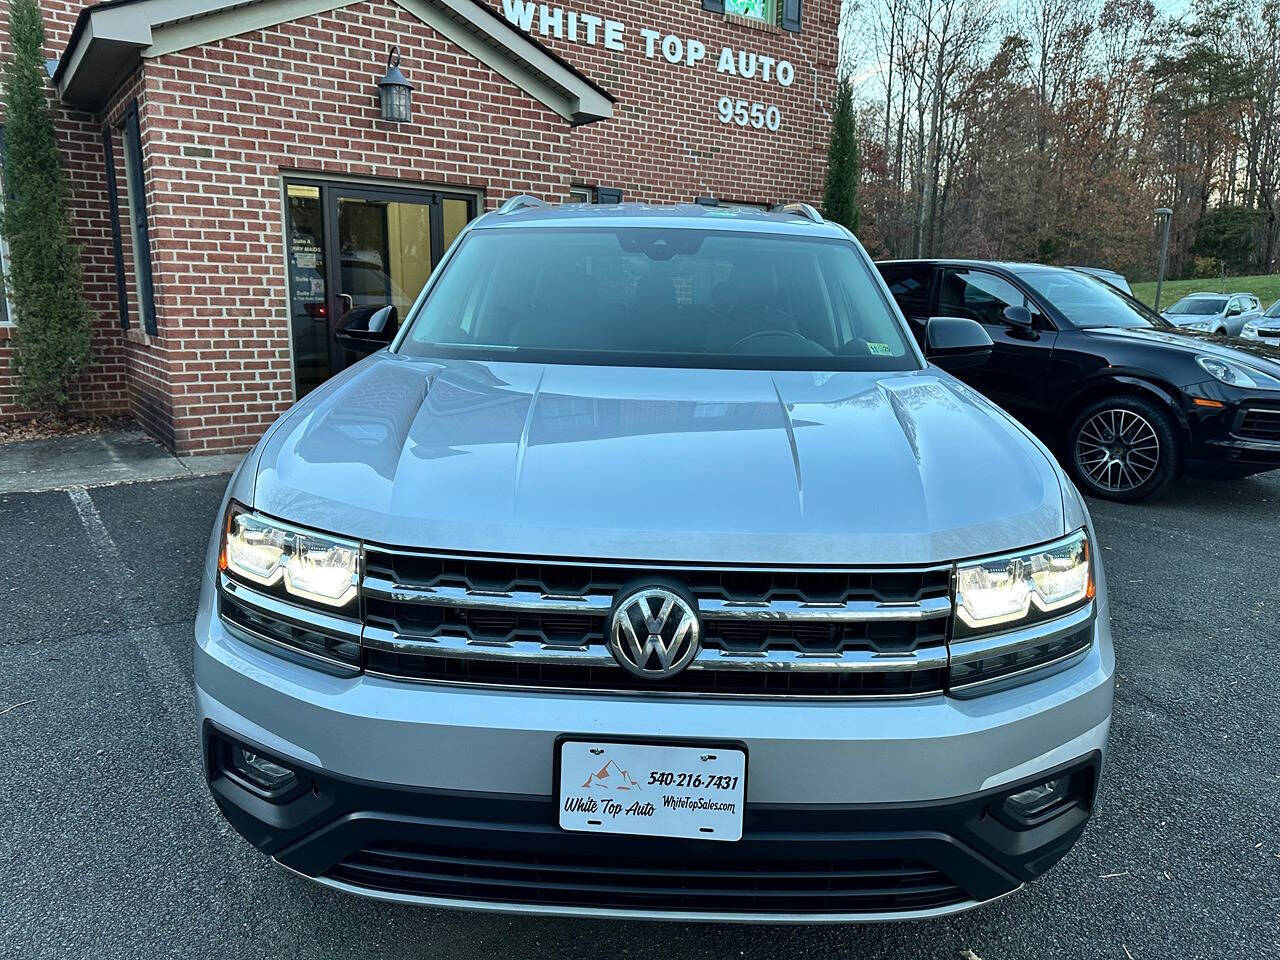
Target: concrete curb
(98,460)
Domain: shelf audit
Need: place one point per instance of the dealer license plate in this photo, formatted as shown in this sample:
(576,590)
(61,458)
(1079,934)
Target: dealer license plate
(652,790)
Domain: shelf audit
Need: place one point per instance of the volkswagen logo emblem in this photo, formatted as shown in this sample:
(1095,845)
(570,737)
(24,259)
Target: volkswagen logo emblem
(654,633)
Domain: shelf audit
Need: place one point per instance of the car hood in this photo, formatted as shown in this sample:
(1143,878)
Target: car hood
(1260,355)
(659,464)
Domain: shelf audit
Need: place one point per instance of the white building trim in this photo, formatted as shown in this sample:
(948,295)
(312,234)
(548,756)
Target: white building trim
(111,38)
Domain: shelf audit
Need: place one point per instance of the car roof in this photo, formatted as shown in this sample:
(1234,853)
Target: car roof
(1099,270)
(1193,296)
(612,215)
(1014,266)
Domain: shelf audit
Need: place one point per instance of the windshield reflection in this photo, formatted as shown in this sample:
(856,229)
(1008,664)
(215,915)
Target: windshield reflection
(1091,303)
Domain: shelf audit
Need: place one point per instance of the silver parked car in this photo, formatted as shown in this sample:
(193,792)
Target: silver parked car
(1265,327)
(654,571)
(1221,313)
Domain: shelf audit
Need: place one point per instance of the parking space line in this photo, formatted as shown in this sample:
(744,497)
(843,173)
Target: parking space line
(156,656)
(97,532)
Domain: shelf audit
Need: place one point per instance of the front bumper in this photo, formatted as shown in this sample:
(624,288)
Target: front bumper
(855,810)
(1239,438)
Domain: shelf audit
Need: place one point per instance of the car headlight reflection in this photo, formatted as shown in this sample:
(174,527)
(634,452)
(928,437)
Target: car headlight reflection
(312,566)
(1000,593)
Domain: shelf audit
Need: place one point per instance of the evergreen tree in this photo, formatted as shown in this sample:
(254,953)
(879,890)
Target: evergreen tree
(840,198)
(52,343)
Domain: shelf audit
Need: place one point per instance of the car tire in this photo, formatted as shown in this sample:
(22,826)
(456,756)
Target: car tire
(1122,448)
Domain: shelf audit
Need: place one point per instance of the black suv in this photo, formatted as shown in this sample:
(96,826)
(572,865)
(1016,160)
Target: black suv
(1127,400)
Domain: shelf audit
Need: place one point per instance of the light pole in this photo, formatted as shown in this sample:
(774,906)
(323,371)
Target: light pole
(1165,215)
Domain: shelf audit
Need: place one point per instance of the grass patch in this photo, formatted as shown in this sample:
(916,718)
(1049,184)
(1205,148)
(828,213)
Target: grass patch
(1266,287)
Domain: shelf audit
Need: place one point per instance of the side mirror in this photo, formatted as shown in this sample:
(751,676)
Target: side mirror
(1019,318)
(956,343)
(1235,311)
(367,329)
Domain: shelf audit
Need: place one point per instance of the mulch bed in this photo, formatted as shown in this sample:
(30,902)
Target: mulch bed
(42,428)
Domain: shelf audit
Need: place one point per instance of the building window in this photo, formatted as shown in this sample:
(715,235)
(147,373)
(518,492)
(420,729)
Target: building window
(755,9)
(581,195)
(113,205)
(6,307)
(785,13)
(139,234)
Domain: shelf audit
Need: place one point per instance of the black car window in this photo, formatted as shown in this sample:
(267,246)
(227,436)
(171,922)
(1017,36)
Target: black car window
(1088,302)
(910,284)
(977,295)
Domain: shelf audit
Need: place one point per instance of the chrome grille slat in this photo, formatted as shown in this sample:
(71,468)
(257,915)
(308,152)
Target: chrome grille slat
(597,655)
(852,611)
(488,599)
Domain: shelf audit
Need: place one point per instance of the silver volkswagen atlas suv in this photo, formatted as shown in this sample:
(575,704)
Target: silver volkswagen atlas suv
(650,569)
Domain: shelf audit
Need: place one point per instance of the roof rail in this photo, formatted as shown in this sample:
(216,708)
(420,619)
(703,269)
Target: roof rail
(800,210)
(520,202)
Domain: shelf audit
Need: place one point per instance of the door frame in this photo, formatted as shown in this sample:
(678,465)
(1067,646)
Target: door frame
(333,187)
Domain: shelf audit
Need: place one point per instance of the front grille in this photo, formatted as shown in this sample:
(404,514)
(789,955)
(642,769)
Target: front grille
(1259,424)
(529,623)
(573,879)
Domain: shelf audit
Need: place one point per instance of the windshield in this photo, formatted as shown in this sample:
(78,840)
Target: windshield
(663,296)
(1197,306)
(1089,302)
(1273,310)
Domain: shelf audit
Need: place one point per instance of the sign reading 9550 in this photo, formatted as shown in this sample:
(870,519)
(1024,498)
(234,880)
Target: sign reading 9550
(747,113)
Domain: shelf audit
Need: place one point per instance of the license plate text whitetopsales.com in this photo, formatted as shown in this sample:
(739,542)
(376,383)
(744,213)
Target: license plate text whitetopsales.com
(652,790)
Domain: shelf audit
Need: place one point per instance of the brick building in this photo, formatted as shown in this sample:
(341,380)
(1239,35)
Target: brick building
(235,187)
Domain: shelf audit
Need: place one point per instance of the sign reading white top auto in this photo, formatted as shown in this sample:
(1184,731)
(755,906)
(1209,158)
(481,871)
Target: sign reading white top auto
(690,52)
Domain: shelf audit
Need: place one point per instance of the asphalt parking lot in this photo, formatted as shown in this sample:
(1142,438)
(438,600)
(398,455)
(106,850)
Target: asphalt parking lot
(111,847)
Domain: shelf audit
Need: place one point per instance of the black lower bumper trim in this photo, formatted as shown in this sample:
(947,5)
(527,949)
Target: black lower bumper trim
(505,849)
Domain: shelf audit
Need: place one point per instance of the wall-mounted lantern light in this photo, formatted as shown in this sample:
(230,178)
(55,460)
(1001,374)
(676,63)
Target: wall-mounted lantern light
(394,91)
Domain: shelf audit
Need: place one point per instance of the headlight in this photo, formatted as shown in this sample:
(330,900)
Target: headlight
(1000,593)
(1249,330)
(312,566)
(1237,374)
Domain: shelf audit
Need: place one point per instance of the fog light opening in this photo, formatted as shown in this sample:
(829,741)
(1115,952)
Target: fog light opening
(1035,803)
(261,771)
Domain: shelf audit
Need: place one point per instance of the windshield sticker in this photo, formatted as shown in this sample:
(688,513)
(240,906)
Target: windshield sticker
(879,349)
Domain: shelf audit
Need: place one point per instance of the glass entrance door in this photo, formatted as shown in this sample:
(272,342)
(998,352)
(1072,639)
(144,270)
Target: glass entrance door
(353,246)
